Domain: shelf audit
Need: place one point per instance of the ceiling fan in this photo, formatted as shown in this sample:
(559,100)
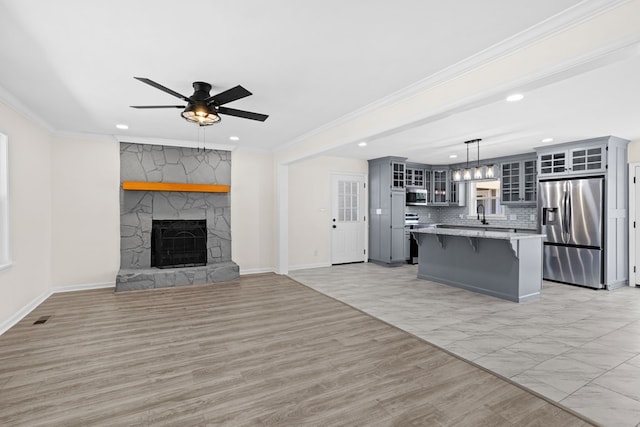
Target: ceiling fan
(202,108)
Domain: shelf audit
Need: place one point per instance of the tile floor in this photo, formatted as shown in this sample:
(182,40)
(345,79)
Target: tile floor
(576,346)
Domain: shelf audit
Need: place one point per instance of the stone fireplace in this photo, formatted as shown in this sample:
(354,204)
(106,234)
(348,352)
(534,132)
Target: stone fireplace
(173,238)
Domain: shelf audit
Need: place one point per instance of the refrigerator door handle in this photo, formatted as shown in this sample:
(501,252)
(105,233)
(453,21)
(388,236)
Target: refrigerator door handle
(568,211)
(563,217)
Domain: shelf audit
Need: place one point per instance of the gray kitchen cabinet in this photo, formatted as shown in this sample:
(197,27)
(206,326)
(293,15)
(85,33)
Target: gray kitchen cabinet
(518,186)
(397,175)
(587,159)
(597,157)
(427,185)
(386,211)
(414,177)
(457,194)
(583,157)
(440,186)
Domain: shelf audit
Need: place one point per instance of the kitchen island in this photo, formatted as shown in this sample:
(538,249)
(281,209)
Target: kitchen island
(503,264)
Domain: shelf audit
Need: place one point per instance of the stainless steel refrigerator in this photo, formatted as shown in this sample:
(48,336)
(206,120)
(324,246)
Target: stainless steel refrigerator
(570,212)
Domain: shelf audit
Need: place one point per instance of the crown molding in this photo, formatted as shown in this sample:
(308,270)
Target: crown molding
(579,13)
(85,136)
(174,142)
(12,102)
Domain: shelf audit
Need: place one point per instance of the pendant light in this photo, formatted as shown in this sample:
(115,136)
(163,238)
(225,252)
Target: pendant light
(478,170)
(466,175)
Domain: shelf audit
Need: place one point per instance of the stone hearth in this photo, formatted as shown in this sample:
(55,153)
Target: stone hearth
(138,209)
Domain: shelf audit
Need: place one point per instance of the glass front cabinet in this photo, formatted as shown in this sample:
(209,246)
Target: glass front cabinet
(518,186)
(397,176)
(414,177)
(578,160)
(440,187)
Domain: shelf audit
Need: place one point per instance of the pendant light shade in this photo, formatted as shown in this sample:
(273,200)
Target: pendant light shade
(477,172)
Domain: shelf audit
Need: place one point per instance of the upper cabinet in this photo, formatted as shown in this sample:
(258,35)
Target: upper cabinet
(573,159)
(518,185)
(588,159)
(414,177)
(440,186)
(397,175)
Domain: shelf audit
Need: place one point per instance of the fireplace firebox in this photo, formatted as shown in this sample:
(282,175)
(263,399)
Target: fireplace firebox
(178,243)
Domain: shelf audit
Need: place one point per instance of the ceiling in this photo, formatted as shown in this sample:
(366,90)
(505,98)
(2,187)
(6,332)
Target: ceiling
(72,63)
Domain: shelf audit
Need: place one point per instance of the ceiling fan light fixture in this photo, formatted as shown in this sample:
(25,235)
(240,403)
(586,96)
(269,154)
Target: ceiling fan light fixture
(200,115)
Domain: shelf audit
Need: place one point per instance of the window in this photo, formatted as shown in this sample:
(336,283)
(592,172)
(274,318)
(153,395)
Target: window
(4,203)
(348,197)
(486,193)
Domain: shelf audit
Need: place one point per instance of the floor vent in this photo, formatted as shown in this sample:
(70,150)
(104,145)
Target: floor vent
(41,320)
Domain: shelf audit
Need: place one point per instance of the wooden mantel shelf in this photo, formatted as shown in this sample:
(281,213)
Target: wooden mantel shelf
(174,186)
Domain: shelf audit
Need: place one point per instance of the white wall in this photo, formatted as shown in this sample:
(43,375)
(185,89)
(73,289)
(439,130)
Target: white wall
(633,153)
(252,211)
(310,207)
(30,214)
(85,180)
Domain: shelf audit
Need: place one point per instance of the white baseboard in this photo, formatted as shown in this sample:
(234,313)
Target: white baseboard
(24,311)
(308,266)
(248,271)
(85,287)
(13,320)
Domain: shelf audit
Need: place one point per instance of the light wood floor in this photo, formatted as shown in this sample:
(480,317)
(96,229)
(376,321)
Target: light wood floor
(262,351)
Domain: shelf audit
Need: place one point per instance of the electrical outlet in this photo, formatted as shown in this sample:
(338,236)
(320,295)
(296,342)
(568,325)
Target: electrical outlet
(429,216)
(378,211)
(461,216)
(315,253)
(513,217)
(532,217)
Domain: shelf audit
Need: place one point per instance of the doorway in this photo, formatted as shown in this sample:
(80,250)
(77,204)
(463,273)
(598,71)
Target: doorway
(348,220)
(634,224)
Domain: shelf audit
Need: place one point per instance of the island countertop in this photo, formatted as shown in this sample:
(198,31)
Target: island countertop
(503,235)
(503,264)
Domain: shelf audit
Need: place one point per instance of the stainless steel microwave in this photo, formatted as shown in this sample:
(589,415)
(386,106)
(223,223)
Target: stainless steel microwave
(417,197)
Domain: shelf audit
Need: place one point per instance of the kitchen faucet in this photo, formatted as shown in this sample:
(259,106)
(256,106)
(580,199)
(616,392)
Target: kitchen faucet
(478,209)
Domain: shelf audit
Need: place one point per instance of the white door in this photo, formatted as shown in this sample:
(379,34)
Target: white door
(635,234)
(347,218)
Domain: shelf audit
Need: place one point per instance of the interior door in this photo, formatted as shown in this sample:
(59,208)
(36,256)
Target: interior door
(347,218)
(636,229)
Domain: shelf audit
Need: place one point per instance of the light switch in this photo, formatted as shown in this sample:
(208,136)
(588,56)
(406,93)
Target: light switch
(378,211)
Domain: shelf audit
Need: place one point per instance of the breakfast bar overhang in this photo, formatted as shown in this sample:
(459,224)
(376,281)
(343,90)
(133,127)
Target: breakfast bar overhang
(506,265)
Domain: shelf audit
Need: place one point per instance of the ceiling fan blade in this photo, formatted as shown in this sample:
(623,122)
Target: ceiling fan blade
(243,114)
(162,88)
(229,95)
(157,106)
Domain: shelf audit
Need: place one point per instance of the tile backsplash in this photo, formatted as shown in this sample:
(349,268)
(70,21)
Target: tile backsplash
(519,217)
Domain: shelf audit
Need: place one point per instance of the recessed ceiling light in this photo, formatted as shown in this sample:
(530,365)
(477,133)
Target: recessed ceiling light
(234,138)
(453,156)
(547,140)
(515,97)
(123,127)
(362,144)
